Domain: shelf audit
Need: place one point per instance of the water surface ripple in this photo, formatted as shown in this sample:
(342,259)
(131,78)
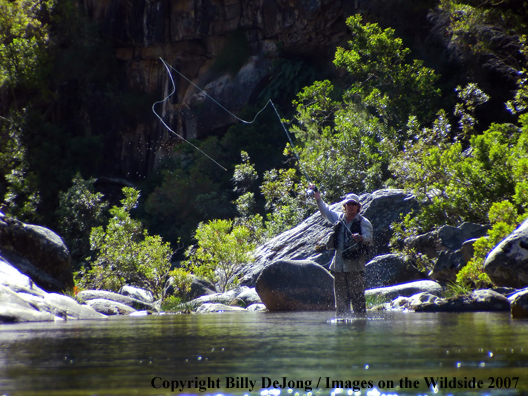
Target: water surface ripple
(261,353)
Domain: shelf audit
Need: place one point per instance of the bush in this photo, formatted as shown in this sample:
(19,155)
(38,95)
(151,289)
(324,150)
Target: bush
(221,251)
(125,254)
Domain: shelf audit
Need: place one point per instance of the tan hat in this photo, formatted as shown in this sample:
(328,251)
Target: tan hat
(350,197)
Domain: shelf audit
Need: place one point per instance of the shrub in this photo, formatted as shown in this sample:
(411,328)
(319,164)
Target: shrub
(126,254)
(221,250)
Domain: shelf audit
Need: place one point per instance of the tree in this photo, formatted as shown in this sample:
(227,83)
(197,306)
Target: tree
(347,134)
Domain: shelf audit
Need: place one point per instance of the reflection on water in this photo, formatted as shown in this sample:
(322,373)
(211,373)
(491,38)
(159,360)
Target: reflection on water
(268,354)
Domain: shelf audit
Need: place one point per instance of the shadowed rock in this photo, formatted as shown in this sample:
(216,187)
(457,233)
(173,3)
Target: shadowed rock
(47,259)
(288,285)
(519,305)
(390,269)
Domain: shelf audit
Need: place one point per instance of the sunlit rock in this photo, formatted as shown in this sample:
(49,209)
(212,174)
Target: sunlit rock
(86,295)
(60,303)
(414,301)
(256,307)
(405,290)
(107,307)
(137,293)
(507,264)
(217,307)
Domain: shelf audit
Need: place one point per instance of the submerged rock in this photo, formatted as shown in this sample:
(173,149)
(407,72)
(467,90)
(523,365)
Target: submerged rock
(295,285)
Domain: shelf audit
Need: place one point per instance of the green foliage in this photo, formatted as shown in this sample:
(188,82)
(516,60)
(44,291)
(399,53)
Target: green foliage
(285,199)
(18,184)
(221,250)
(471,96)
(347,139)
(80,210)
(126,254)
(24,37)
(381,76)
(461,184)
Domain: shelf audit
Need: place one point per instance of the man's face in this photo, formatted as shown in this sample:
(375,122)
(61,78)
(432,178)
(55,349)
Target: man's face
(351,208)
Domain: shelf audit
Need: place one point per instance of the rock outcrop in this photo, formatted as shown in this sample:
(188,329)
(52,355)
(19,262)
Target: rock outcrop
(451,246)
(227,48)
(382,208)
(37,252)
(21,300)
(507,264)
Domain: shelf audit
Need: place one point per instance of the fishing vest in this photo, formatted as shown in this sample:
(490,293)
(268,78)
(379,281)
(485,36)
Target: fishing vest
(354,250)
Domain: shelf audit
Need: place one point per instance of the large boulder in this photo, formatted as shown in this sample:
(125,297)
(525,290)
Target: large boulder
(289,285)
(507,264)
(304,241)
(38,252)
(390,269)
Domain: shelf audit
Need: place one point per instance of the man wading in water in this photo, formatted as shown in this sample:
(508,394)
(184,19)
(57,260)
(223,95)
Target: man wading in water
(351,237)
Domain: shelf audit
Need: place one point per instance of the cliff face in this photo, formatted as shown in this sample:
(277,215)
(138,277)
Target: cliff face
(227,47)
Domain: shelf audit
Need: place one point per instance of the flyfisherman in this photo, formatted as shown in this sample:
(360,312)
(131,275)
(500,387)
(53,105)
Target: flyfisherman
(351,238)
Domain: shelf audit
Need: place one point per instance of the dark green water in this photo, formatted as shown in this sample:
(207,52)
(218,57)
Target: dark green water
(143,355)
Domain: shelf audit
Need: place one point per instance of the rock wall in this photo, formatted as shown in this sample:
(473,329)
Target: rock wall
(226,47)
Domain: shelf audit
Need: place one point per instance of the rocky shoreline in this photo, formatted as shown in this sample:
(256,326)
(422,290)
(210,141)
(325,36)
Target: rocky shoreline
(289,273)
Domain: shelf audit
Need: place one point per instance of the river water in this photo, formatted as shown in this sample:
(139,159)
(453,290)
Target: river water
(268,354)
